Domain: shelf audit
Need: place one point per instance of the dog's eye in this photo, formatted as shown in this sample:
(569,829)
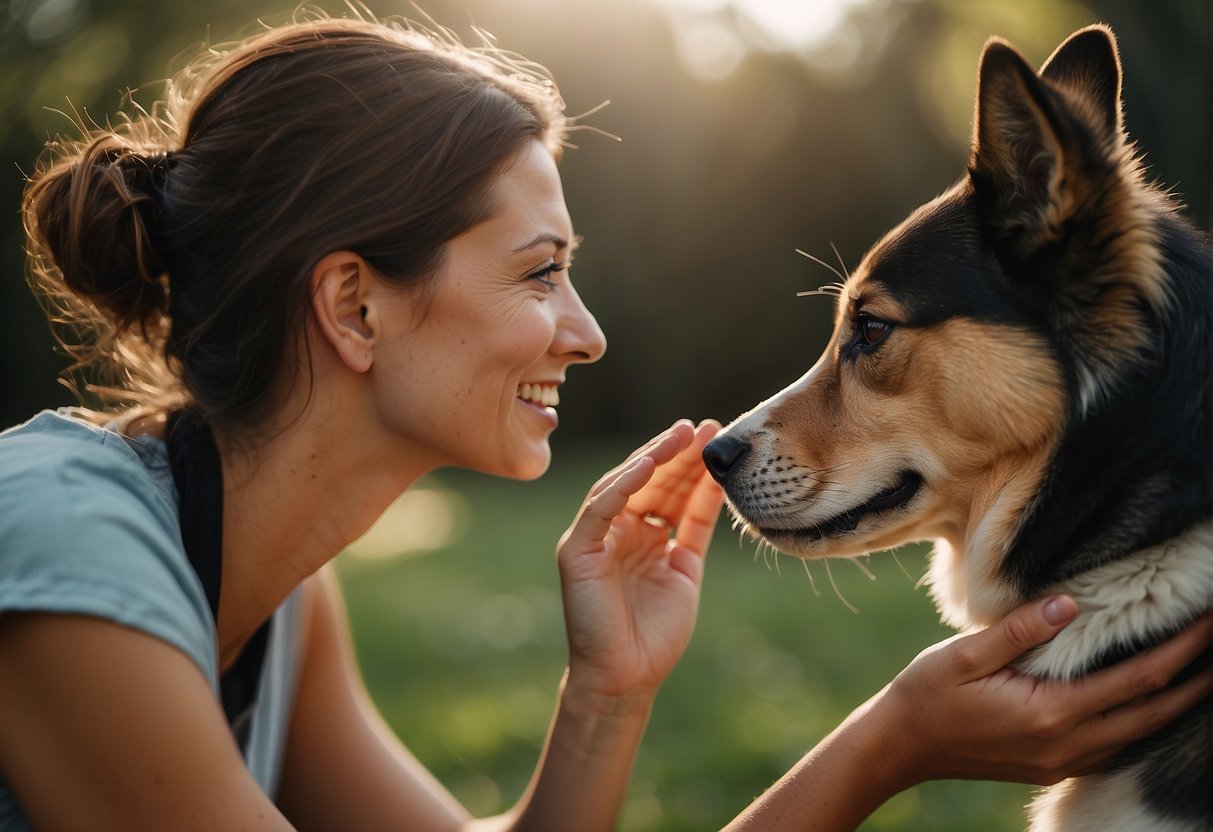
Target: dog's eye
(871,330)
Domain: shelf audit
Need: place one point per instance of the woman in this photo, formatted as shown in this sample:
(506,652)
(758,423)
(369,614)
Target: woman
(337,261)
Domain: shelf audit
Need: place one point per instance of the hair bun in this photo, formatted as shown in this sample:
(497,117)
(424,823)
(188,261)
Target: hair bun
(96,215)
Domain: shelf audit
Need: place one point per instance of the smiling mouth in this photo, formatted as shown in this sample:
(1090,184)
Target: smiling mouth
(544,395)
(891,498)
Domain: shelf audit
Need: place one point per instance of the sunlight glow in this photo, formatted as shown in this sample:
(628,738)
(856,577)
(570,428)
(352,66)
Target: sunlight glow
(714,36)
(790,24)
(421,520)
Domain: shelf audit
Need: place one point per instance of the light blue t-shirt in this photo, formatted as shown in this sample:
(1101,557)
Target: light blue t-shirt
(89,525)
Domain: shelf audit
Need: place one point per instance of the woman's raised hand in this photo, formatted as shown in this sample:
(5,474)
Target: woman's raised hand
(631,564)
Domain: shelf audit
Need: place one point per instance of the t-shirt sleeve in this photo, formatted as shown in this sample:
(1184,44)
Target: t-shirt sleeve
(85,530)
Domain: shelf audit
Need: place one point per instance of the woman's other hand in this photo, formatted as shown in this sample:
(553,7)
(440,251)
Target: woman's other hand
(959,712)
(631,564)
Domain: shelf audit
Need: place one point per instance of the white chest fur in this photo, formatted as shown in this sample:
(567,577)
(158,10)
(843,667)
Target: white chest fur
(1152,592)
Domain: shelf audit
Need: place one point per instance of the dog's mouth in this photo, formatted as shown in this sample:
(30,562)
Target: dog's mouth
(891,498)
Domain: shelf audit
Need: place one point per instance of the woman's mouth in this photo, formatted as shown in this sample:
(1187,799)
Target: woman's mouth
(544,395)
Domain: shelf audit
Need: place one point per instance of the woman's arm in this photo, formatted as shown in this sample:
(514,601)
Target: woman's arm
(957,712)
(106,727)
(631,567)
(345,769)
(631,592)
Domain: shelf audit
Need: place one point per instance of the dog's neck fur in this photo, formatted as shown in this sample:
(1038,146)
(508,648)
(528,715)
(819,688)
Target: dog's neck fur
(1130,603)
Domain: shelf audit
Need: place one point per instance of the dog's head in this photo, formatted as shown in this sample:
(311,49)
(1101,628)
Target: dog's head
(968,338)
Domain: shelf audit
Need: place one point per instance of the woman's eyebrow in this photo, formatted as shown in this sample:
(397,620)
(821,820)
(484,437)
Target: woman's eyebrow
(545,237)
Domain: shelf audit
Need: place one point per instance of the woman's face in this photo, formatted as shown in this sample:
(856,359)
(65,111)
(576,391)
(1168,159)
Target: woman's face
(469,374)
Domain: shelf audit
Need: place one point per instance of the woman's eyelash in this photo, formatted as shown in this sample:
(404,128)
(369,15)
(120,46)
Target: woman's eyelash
(551,268)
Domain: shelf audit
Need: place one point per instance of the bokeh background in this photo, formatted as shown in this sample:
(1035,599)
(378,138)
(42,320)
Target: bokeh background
(747,129)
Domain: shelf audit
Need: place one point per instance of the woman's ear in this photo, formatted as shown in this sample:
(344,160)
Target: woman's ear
(341,282)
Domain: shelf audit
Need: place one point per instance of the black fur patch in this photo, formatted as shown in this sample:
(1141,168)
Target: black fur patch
(937,267)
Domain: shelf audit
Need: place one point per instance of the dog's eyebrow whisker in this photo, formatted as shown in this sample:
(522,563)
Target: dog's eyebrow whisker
(837,591)
(821,262)
(830,291)
(840,260)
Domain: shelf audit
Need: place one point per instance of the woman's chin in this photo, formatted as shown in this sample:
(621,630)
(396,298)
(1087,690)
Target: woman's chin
(535,470)
(529,466)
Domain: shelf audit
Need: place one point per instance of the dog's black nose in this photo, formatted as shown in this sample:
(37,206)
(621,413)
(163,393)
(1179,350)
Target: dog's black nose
(722,454)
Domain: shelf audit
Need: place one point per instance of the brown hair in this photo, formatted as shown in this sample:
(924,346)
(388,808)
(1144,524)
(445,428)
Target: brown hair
(177,248)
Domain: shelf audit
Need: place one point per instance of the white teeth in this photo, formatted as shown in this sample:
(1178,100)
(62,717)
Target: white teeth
(545,395)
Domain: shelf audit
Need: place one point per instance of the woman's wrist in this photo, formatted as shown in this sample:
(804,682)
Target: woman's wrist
(582,777)
(846,777)
(603,719)
(881,735)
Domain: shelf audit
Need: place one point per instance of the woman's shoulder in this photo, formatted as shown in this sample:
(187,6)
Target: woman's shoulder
(52,437)
(88,525)
(59,451)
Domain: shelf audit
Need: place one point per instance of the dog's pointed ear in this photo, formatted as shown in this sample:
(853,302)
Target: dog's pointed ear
(1088,64)
(1023,144)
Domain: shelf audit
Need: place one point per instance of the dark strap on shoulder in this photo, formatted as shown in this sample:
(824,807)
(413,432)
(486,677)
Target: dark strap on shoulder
(198,475)
(194,459)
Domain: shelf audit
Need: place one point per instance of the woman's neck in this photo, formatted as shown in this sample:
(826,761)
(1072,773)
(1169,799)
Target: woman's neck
(293,502)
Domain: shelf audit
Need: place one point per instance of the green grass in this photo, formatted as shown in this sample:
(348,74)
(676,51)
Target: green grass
(462,648)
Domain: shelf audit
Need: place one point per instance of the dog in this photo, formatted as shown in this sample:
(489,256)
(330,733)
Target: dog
(1020,372)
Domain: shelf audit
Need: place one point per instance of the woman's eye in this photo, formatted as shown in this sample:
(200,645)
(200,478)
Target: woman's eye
(544,275)
(871,330)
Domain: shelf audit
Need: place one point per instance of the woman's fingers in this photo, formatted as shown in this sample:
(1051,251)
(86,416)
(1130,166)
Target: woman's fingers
(700,515)
(601,508)
(667,495)
(1145,673)
(661,448)
(695,531)
(1140,719)
(1031,625)
(663,481)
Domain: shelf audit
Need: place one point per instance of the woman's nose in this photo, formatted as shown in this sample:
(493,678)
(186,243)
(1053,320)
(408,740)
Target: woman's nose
(578,337)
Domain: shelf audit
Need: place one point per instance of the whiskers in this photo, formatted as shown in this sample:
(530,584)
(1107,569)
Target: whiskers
(770,554)
(918,582)
(838,591)
(833,290)
(830,289)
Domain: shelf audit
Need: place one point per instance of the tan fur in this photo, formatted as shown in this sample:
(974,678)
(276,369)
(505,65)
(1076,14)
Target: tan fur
(993,397)
(1108,324)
